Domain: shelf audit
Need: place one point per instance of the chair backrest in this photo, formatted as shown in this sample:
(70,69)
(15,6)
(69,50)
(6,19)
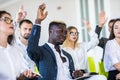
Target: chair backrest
(91,64)
(92,67)
(102,69)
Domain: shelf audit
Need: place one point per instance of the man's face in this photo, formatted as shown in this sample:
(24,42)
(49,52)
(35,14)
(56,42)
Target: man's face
(59,34)
(25,30)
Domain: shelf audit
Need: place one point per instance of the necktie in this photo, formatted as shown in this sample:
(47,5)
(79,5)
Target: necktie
(63,58)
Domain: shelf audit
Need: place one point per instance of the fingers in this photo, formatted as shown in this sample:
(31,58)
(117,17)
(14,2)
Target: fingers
(28,74)
(21,8)
(77,73)
(102,13)
(24,14)
(46,13)
(42,6)
(41,10)
(87,24)
(102,18)
(21,14)
(41,15)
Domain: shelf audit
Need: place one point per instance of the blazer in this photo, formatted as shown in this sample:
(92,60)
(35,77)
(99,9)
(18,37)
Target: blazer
(102,41)
(44,56)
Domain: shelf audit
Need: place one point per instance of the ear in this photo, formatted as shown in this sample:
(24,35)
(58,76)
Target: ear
(51,31)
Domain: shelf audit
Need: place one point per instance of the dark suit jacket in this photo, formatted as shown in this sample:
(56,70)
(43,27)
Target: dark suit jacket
(44,56)
(102,41)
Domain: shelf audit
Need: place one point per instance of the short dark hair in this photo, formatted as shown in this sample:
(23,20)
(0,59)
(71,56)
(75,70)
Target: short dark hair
(25,20)
(2,12)
(11,37)
(112,35)
(55,23)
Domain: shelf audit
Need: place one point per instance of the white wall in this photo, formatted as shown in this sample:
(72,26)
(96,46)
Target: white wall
(114,8)
(67,13)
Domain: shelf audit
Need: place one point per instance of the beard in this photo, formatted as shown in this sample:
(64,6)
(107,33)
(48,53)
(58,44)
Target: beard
(26,37)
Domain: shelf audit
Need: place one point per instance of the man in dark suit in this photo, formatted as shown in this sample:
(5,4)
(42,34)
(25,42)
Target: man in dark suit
(53,62)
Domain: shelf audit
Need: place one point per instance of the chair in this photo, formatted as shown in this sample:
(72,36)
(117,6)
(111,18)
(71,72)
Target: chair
(92,67)
(101,69)
(91,64)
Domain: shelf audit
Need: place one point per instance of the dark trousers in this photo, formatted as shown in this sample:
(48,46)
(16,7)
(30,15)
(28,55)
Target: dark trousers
(112,74)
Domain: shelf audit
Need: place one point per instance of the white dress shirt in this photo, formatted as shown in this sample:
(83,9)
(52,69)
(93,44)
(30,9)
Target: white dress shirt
(11,62)
(63,72)
(30,63)
(112,55)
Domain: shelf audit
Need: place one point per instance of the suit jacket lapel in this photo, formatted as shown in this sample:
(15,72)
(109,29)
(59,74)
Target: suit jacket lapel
(50,51)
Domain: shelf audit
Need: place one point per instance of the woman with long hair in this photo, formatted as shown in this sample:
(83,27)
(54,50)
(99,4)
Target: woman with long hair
(112,52)
(78,51)
(12,65)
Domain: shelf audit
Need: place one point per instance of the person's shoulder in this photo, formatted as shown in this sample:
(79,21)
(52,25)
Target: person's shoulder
(16,50)
(17,47)
(110,42)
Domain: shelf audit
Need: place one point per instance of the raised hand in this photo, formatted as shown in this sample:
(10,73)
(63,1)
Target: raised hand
(87,24)
(40,14)
(102,19)
(21,14)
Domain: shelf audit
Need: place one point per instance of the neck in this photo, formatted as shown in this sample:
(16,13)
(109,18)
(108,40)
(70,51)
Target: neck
(24,41)
(118,40)
(51,41)
(3,40)
(71,44)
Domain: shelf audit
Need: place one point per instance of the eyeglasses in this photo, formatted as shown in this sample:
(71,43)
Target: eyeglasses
(7,20)
(74,33)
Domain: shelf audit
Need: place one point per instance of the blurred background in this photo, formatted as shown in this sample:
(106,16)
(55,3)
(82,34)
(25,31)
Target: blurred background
(69,11)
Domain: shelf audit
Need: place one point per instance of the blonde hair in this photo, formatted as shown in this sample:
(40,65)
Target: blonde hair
(67,42)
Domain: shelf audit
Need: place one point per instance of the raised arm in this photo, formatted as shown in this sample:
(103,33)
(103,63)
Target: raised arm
(93,36)
(102,21)
(87,25)
(41,15)
(21,14)
(34,51)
